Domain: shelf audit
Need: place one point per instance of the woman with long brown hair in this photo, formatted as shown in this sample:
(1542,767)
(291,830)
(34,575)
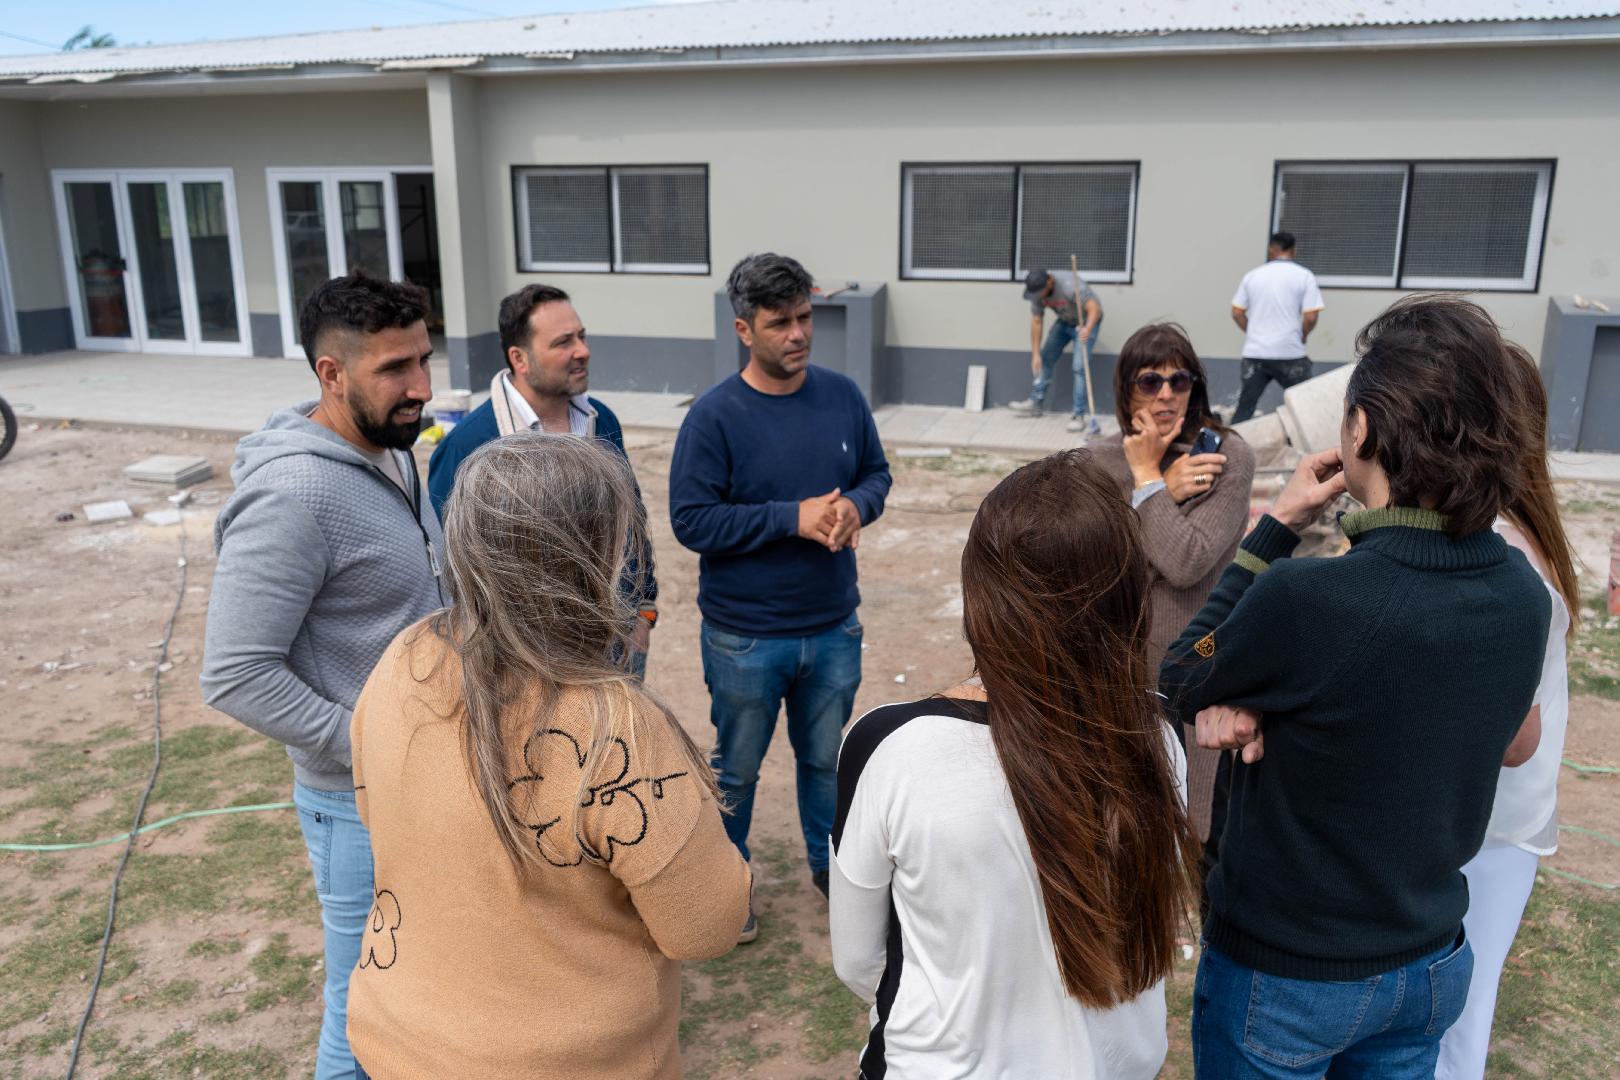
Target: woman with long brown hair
(1012,859)
(1188,477)
(1524,817)
(547,838)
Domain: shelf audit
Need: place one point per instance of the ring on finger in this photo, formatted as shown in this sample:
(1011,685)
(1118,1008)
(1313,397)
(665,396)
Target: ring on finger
(1203,478)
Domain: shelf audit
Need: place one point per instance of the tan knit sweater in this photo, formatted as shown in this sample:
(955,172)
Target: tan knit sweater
(567,967)
(1189,545)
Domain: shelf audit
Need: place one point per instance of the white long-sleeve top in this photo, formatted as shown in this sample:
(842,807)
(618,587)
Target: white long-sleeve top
(937,917)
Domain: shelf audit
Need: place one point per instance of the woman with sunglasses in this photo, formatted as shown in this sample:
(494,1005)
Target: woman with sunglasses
(1193,502)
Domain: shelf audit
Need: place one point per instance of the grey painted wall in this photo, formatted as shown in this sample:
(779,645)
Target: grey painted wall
(45,331)
(474,361)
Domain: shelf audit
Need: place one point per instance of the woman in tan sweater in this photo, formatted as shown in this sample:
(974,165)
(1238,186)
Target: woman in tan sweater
(547,840)
(1193,507)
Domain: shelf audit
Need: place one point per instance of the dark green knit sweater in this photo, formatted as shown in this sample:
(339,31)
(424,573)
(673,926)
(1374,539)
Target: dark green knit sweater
(1392,680)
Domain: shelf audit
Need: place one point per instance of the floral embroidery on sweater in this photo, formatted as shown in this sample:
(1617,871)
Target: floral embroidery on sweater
(611,808)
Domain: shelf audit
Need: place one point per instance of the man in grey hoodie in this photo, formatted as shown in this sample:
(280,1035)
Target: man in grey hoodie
(327,550)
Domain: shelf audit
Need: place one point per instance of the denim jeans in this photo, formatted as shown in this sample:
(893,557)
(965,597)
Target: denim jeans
(1058,339)
(340,854)
(1250,1025)
(749,679)
(1257,374)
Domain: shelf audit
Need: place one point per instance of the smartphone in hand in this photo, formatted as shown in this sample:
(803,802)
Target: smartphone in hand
(1208,442)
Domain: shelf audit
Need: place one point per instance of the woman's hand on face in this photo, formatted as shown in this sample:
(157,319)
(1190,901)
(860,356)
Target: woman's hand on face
(1145,448)
(1191,475)
(1318,481)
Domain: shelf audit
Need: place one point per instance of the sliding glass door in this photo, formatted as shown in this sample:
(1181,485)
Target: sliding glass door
(154,261)
(328,222)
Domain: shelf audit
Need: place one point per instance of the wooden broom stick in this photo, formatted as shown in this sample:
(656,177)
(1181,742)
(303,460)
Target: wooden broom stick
(1085,356)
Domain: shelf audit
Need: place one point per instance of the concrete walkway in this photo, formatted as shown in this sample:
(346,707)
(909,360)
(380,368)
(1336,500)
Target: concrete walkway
(232,394)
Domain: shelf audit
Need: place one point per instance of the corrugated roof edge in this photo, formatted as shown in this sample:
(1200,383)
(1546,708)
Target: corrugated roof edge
(138,61)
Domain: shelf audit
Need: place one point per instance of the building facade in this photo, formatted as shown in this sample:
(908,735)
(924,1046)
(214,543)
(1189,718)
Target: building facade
(164,204)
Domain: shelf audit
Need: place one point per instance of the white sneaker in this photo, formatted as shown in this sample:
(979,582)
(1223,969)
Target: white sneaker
(1027,406)
(1075,424)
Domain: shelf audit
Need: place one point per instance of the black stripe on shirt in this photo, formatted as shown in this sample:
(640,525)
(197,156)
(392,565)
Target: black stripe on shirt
(874,1066)
(870,731)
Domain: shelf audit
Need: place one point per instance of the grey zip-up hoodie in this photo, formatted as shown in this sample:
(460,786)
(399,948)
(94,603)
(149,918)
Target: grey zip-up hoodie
(323,560)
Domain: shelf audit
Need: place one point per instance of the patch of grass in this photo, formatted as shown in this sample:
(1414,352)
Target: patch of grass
(181,1056)
(1594,655)
(1558,1006)
(210,948)
(179,992)
(251,852)
(224,1016)
(283,974)
(771,977)
(959,463)
(62,948)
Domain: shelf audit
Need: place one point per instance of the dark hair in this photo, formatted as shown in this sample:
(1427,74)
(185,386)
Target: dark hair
(766,281)
(1535,510)
(358,304)
(1149,347)
(1437,384)
(1056,605)
(1283,239)
(515,312)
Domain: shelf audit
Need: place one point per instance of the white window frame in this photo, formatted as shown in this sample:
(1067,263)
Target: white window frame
(138,341)
(1398,279)
(528,264)
(622,267)
(908,223)
(1103,277)
(329,177)
(1352,281)
(910,272)
(1538,224)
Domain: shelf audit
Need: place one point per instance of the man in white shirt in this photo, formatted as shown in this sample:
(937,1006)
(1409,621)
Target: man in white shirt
(1276,307)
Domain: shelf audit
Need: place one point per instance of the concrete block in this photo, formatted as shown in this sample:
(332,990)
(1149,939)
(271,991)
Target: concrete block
(1311,411)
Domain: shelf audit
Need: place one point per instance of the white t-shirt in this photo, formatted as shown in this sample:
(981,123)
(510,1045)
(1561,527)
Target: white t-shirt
(1275,296)
(1525,813)
(963,979)
(388,461)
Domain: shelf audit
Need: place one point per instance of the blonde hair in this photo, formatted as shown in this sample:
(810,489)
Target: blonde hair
(536,538)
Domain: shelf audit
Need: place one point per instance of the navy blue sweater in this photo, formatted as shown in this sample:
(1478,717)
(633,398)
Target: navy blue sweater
(479,428)
(743,461)
(1392,680)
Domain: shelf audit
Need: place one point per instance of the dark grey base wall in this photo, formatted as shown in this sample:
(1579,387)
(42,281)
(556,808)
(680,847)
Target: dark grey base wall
(905,374)
(265,333)
(1580,364)
(47,330)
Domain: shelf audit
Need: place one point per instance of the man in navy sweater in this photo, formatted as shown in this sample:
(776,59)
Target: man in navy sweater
(542,388)
(775,471)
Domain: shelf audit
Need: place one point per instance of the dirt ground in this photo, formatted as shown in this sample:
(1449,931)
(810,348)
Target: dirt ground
(215,969)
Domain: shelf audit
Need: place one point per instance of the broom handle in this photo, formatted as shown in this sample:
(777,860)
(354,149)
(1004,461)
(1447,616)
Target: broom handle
(1085,356)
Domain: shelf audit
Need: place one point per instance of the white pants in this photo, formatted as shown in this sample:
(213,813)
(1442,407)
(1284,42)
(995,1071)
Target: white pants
(1499,884)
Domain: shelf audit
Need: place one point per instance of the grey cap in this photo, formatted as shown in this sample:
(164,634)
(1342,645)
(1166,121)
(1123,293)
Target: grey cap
(1035,284)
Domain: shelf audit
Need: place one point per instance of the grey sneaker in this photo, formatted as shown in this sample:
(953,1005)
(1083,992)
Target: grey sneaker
(1075,424)
(1028,406)
(750,929)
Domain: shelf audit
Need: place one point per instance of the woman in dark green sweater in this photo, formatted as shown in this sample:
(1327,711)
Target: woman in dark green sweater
(1375,697)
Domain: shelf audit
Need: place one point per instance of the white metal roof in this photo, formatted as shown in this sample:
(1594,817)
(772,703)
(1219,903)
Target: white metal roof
(772,24)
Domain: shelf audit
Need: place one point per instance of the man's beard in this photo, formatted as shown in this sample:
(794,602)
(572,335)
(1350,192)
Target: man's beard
(387,432)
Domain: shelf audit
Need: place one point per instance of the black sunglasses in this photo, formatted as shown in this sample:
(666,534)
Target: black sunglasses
(1150,382)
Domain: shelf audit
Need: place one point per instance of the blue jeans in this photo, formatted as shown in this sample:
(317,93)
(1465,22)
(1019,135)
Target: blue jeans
(1058,339)
(340,854)
(1246,1024)
(749,678)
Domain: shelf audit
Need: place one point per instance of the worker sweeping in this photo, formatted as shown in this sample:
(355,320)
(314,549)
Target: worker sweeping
(1077,317)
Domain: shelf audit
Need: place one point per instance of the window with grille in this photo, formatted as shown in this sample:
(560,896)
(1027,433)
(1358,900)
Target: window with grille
(1417,225)
(998,222)
(643,219)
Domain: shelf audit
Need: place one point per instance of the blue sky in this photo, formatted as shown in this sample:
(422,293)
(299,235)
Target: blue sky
(32,26)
